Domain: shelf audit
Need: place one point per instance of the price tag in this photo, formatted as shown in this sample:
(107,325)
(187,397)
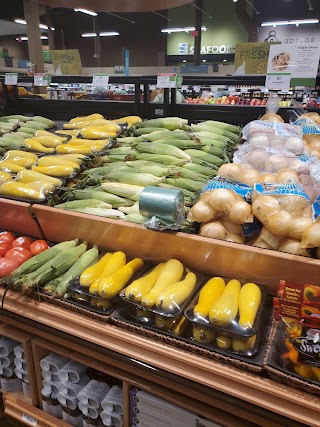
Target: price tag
(167,80)
(40,79)
(275,81)
(11,79)
(29,419)
(197,88)
(100,80)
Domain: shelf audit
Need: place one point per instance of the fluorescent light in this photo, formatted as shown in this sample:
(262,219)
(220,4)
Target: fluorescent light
(293,22)
(24,38)
(24,22)
(204,60)
(235,1)
(224,60)
(182,29)
(184,60)
(89,35)
(108,34)
(88,12)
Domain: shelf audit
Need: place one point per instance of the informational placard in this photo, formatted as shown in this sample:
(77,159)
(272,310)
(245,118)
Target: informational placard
(167,80)
(300,60)
(66,62)
(251,58)
(100,80)
(11,79)
(280,82)
(40,79)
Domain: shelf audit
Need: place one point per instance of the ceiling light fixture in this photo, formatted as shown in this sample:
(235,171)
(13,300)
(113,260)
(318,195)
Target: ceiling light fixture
(204,60)
(184,60)
(20,21)
(224,60)
(180,30)
(310,5)
(235,1)
(293,22)
(24,38)
(24,22)
(108,34)
(89,35)
(88,12)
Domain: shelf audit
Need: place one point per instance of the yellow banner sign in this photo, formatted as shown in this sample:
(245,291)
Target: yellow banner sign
(66,62)
(251,58)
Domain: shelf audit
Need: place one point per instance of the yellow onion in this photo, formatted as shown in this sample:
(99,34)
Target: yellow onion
(214,230)
(311,236)
(292,246)
(280,223)
(240,213)
(201,212)
(222,199)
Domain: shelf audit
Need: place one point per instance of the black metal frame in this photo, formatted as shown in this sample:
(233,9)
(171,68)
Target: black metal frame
(66,109)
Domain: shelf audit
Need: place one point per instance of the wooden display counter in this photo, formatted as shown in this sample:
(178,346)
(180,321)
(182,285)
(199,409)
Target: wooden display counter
(250,388)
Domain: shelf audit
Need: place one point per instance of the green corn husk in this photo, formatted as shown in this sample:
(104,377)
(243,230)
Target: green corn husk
(213,150)
(206,157)
(105,213)
(135,218)
(179,143)
(211,136)
(52,269)
(152,170)
(100,194)
(223,126)
(146,130)
(114,158)
(170,123)
(134,209)
(78,267)
(128,151)
(10,144)
(206,164)
(131,192)
(187,184)
(138,163)
(208,128)
(158,135)
(181,172)
(206,171)
(143,179)
(211,142)
(86,203)
(131,139)
(39,260)
(29,130)
(160,158)
(44,120)
(38,125)
(163,149)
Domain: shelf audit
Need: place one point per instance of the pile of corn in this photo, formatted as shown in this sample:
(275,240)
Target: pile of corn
(161,152)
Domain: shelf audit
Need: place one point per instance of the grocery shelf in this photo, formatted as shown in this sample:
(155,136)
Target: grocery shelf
(255,390)
(198,253)
(16,216)
(17,407)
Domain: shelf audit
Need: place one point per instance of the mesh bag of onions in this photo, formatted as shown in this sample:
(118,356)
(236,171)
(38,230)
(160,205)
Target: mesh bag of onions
(222,209)
(286,213)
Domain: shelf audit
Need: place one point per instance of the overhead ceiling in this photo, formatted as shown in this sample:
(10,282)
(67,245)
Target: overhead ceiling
(287,9)
(8,28)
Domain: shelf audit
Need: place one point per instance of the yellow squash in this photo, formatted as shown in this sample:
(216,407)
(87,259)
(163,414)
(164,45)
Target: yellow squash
(249,303)
(74,132)
(76,158)
(42,187)
(112,265)
(90,274)
(25,162)
(34,145)
(171,273)
(165,323)
(209,294)
(73,149)
(243,345)
(112,285)
(49,141)
(10,166)
(11,154)
(5,177)
(142,286)
(94,116)
(130,120)
(76,125)
(27,176)
(225,309)
(223,341)
(17,189)
(106,131)
(203,334)
(63,171)
(171,299)
(180,326)
(56,161)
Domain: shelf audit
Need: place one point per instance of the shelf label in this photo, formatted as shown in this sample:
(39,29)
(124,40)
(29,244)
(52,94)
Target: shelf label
(167,80)
(100,80)
(11,79)
(278,81)
(29,419)
(41,79)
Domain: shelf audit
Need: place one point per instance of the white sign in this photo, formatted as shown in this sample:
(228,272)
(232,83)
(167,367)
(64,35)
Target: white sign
(276,81)
(100,80)
(29,419)
(11,79)
(40,79)
(167,80)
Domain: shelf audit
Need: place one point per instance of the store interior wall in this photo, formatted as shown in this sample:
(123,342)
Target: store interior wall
(18,50)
